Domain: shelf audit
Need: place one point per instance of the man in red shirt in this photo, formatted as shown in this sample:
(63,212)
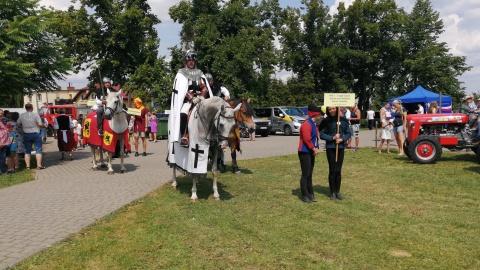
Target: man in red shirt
(140,126)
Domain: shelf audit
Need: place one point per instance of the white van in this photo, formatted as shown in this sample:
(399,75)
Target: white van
(286,119)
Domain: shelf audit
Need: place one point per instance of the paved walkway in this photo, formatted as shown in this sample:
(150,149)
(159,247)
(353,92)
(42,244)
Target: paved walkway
(68,196)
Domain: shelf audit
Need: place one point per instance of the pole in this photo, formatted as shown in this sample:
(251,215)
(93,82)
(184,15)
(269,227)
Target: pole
(338,132)
(440,102)
(101,83)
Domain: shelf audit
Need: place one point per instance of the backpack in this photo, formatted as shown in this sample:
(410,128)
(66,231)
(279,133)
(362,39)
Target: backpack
(4,135)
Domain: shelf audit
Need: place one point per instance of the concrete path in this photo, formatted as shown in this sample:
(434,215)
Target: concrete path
(68,196)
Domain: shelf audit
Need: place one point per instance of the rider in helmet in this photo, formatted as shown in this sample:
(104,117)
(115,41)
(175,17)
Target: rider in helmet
(217,89)
(101,101)
(190,86)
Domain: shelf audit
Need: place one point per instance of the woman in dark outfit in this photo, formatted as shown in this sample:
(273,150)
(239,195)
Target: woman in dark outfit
(328,132)
(307,150)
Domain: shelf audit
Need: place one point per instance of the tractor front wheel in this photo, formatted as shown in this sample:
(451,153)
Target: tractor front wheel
(425,150)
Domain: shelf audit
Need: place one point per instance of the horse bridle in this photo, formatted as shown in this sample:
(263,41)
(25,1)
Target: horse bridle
(114,111)
(217,134)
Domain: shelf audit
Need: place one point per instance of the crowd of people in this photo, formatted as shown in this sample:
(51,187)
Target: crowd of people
(339,134)
(23,135)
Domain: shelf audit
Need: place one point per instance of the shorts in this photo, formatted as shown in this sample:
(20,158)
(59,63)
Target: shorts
(398,129)
(139,134)
(35,139)
(355,128)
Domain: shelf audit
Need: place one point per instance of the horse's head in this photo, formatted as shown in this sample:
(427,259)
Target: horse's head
(244,115)
(114,104)
(225,123)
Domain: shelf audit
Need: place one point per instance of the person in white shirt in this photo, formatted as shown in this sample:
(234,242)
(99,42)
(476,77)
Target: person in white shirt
(101,101)
(370,118)
(420,109)
(217,89)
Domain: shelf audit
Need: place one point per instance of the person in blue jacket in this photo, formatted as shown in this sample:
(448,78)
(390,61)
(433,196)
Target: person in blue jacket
(328,132)
(307,150)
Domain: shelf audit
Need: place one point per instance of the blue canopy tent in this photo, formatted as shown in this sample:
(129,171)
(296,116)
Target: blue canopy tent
(422,96)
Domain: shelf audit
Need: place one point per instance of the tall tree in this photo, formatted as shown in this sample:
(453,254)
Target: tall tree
(113,36)
(152,83)
(234,41)
(31,55)
(427,60)
(371,30)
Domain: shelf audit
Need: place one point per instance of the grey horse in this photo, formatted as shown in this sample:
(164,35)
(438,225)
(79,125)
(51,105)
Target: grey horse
(209,124)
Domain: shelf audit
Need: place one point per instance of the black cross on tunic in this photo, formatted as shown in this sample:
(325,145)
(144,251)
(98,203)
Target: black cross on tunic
(197,151)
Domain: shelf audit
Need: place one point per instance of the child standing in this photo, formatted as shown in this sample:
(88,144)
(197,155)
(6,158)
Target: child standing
(386,134)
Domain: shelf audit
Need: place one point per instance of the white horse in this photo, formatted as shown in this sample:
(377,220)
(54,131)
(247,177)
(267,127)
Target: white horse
(210,123)
(117,120)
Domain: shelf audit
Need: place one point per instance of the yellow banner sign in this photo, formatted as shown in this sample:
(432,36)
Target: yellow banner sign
(132,111)
(91,103)
(339,99)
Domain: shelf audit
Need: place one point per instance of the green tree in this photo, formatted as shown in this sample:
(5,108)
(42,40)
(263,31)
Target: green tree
(152,83)
(31,55)
(115,37)
(427,60)
(371,32)
(234,41)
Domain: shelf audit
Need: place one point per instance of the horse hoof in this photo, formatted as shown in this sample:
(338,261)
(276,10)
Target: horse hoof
(237,172)
(123,171)
(95,169)
(193,200)
(110,172)
(216,198)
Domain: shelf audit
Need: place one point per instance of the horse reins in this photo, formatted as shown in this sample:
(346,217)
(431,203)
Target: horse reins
(115,111)
(217,135)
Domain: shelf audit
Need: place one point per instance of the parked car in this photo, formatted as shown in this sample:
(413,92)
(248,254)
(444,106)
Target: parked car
(304,110)
(262,127)
(286,119)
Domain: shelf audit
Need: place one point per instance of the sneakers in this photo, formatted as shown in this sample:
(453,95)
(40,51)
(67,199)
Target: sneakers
(184,142)
(100,132)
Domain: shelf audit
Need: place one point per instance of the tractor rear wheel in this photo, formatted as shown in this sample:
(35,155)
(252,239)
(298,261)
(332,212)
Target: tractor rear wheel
(425,150)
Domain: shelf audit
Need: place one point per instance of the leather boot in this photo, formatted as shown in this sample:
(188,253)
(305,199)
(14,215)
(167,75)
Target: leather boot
(331,183)
(338,182)
(306,199)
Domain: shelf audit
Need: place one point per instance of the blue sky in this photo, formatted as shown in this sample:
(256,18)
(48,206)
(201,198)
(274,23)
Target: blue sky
(460,18)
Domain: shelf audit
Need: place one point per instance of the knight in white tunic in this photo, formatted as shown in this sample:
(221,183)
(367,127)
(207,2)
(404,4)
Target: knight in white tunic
(190,86)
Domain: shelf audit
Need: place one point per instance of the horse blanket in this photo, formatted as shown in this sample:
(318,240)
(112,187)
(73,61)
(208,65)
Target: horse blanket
(193,159)
(109,140)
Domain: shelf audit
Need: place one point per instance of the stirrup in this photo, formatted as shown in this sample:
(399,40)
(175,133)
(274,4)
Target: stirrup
(184,142)
(100,132)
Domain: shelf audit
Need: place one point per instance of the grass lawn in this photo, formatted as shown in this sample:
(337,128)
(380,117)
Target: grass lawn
(18,177)
(396,215)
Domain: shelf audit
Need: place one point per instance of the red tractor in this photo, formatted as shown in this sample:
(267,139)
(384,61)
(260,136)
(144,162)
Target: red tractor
(429,133)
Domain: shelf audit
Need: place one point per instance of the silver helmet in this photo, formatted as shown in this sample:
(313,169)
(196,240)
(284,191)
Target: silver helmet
(209,77)
(190,54)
